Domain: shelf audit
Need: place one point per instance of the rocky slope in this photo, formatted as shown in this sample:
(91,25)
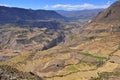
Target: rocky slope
(15,40)
(9,73)
(109,15)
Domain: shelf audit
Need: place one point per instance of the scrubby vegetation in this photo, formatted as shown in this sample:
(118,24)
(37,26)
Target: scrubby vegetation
(72,68)
(94,56)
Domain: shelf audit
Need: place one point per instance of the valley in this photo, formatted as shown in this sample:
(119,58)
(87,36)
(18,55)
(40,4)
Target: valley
(59,47)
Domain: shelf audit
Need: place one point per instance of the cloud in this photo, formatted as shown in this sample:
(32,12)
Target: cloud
(109,2)
(76,7)
(46,6)
(3,5)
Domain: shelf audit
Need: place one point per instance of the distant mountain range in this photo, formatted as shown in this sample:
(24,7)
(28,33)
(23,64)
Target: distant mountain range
(42,18)
(22,16)
(14,15)
(80,14)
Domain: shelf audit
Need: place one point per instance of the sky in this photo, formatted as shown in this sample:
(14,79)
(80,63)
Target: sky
(57,4)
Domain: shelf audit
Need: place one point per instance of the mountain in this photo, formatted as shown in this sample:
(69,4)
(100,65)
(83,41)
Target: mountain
(81,14)
(109,18)
(103,29)
(14,15)
(101,38)
(109,15)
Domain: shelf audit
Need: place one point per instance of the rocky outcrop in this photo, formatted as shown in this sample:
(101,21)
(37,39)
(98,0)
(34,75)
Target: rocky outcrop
(60,38)
(9,73)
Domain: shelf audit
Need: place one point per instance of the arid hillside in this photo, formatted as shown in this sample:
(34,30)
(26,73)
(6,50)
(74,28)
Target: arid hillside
(89,52)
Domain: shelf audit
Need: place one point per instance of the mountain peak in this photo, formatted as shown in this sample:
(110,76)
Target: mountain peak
(110,14)
(107,19)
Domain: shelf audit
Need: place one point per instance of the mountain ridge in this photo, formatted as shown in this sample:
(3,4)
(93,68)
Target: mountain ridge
(12,15)
(80,14)
(111,14)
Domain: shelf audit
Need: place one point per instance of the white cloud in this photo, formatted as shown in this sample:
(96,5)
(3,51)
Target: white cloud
(109,2)
(46,6)
(76,7)
(3,5)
